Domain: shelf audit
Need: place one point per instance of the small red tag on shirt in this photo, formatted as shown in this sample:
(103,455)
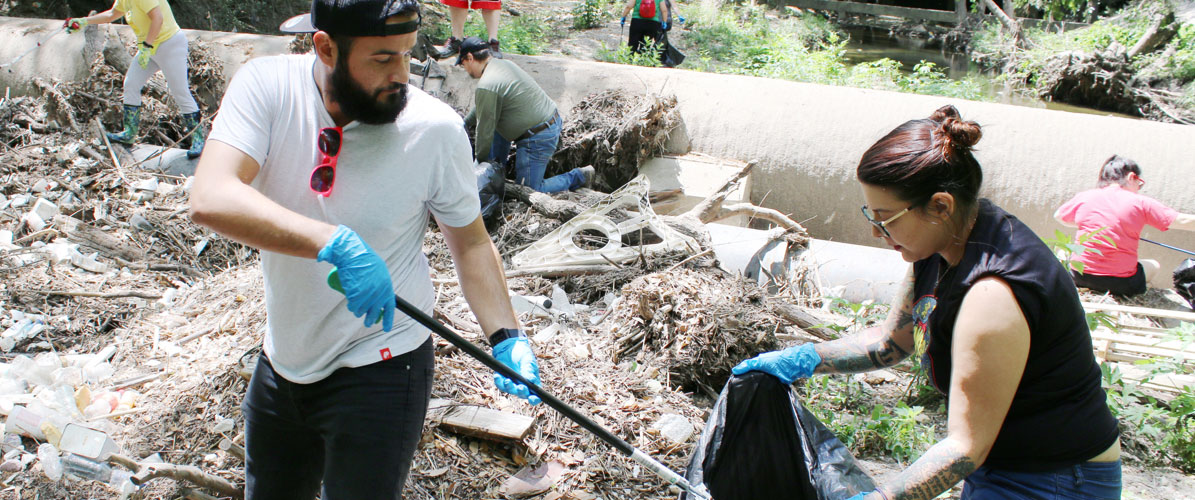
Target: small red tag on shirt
(385,354)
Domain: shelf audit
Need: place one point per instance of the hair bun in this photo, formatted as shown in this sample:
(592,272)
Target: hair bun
(956,135)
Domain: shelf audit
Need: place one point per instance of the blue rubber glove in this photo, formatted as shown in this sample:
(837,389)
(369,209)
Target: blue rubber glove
(665,26)
(623,21)
(143,55)
(516,353)
(860,496)
(787,365)
(363,275)
(680,19)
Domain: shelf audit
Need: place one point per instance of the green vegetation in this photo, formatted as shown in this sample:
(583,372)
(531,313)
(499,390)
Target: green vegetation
(623,55)
(1162,77)
(850,410)
(1066,247)
(590,14)
(752,40)
(527,34)
(1157,432)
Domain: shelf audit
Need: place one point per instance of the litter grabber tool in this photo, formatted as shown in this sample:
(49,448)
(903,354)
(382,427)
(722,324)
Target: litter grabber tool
(1168,246)
(34,48)
(697,492)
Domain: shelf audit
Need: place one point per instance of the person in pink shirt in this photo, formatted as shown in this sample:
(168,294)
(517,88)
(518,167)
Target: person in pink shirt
(1118,211)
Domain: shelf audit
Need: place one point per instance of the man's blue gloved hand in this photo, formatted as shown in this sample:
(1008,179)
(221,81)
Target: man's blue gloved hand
(623,21)
(516,353)
(787,365)
(363,275)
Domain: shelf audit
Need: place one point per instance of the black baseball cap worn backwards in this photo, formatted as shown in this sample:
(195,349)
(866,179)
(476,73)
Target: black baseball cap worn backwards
(352,17)
(470,45)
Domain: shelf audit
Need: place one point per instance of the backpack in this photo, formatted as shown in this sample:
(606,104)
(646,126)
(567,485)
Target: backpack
(647,9)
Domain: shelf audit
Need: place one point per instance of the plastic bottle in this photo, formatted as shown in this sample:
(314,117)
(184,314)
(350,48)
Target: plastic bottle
(51,464)
(85,468)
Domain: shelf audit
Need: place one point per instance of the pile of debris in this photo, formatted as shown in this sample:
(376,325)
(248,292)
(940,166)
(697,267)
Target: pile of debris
(128,332)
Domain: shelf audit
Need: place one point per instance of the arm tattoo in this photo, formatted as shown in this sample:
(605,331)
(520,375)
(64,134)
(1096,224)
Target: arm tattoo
(866,350)
(936,471)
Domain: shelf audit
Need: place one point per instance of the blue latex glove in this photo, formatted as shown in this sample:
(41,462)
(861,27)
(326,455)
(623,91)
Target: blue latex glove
(143,55)
(665,26)
(787,365)
(623,21)
(363,275)
(680,19)
(516,353)
(860,496)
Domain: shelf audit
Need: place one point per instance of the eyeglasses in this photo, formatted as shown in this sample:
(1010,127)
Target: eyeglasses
(882,225)
(324,173)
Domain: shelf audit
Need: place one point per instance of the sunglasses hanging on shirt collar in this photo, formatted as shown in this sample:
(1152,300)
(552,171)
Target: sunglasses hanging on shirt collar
(324,173)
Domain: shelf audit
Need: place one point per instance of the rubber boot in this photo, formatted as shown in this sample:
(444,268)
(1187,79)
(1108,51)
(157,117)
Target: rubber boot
(132,125)
(450,48)
(494,51)
(191,121)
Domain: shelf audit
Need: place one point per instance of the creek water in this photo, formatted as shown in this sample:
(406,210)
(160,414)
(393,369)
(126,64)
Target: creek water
(871,44)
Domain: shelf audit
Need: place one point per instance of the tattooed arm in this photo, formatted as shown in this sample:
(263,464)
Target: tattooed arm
(990,349)
(877,347)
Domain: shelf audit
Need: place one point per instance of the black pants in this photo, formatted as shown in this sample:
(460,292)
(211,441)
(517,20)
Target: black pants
(641,31)
(1124,286)
(355,431)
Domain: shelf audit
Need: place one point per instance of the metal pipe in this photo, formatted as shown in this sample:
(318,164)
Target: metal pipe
(569,412)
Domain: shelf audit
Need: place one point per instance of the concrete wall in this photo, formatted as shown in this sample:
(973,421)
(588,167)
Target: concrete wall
(807,138)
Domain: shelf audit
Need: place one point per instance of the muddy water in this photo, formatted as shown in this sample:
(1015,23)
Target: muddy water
(871,44)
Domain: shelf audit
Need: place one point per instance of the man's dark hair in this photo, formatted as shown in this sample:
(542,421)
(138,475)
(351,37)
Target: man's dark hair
(481,55)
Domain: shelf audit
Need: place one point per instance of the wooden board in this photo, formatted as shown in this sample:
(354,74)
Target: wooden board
(941,16)
(479,421)
(1141,311)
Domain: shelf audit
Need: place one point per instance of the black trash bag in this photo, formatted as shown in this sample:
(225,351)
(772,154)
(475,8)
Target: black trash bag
(1184,281)
(761,444)
(672,56)
(491,187)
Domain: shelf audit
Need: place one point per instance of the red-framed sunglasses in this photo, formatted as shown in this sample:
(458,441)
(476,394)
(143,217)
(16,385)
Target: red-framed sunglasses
(324,173)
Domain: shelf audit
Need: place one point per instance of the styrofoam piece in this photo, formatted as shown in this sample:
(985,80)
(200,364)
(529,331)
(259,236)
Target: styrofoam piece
(6,240)
(41,186)
(34,221)
(675,428)
(45,209)
(559,250)
(87,442)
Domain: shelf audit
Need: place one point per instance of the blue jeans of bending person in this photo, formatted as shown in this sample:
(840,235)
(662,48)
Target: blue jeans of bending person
(532,160)
(1088,480)
(355,431)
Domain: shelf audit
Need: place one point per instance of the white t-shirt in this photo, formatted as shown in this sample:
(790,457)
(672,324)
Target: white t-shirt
(388,178)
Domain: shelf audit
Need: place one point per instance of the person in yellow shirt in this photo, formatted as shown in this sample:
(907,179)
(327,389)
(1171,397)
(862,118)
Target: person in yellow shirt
(160,46)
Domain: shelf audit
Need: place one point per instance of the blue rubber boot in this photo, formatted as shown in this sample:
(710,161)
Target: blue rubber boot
(191,121)
(132,125)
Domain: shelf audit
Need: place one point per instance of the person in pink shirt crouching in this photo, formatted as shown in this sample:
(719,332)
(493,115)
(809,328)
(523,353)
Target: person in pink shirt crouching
(1116,212)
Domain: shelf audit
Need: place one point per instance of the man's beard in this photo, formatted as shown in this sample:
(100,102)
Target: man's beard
(361,105)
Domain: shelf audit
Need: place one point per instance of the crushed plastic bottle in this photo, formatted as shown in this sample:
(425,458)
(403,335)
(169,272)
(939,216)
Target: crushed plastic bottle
(51,463)
(86,468)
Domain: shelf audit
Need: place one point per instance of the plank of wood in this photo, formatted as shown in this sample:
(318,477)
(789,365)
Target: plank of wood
(1143,311)
(1168,348)
(479,421)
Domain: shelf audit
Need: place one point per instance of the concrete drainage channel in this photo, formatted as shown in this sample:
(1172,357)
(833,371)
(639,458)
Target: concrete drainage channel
(807,138)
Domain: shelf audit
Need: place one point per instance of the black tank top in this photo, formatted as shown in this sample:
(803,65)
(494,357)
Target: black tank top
(1059,415)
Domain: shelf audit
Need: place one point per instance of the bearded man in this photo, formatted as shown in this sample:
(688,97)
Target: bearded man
(317,160)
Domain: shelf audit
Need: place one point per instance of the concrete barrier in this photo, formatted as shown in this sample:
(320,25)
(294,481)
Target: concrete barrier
(808,138)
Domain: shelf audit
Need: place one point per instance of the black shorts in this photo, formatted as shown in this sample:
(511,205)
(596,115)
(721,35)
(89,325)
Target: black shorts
(1125,286)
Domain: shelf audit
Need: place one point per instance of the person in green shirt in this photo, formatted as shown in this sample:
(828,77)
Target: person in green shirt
(160,46)
(510,107)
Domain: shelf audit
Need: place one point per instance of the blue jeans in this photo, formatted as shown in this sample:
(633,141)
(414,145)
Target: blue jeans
(532,160)
(1088,480)
(355,431)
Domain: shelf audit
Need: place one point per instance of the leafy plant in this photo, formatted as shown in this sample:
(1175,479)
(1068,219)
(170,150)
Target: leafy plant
(842,404)
(648,57)
(589,14)
(1066,248)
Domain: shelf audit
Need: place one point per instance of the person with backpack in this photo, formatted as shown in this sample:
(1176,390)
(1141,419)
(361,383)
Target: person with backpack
(649,19)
